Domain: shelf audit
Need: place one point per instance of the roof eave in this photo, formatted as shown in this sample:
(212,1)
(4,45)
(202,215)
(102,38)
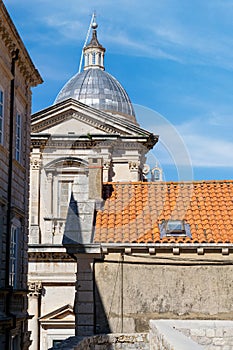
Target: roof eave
(150,248)
(14,41)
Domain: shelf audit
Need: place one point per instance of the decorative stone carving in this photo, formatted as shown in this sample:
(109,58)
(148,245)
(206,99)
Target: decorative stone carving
(58,227)
(49,177)
(11,44)
(35,288)
(49,256)
(35,164)
(106,164)
(134,165)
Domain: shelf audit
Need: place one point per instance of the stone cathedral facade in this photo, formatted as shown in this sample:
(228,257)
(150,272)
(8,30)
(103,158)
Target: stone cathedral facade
(88,136)
(109,250)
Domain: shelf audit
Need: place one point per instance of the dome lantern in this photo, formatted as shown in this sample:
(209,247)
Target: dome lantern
(94,51)
(94,86)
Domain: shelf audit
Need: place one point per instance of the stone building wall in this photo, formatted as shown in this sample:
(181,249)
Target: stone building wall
(130,293)
(17,76)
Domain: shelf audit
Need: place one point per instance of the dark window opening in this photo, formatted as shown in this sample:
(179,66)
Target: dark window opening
(56,342)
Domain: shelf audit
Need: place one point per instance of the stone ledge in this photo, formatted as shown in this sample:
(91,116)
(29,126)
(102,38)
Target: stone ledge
(165,335)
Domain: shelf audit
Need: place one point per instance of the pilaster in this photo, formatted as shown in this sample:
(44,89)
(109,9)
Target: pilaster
(35,166)
(35,290)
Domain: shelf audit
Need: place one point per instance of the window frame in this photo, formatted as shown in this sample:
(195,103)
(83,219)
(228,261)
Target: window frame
(165,231)
(61,180)
(13,263)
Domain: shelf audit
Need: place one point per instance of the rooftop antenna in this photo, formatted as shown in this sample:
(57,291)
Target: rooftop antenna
(92,25)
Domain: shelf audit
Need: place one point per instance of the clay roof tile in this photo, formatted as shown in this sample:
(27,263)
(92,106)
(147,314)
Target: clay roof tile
(136,209)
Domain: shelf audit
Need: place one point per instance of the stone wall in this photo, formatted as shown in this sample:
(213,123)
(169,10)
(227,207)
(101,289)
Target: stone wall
(210,334)
(106,342)
(130,293)
(192,335)
(164,336)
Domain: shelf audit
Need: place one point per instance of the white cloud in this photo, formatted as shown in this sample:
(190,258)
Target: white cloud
(198,32)
(199,142)
(207,148)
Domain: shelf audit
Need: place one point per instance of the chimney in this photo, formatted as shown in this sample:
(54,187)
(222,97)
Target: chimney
(95,178)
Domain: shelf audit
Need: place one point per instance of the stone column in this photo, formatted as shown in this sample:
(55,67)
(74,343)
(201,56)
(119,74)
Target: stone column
(35,289)
(34,236)
(84,306)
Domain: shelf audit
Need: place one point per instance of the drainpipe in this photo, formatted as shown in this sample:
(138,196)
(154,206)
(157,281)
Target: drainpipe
(15,56)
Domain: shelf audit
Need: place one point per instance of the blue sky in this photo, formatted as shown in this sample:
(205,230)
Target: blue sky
(174,58)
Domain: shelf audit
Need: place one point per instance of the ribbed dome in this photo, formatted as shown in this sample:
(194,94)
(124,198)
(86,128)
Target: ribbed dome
(100,90)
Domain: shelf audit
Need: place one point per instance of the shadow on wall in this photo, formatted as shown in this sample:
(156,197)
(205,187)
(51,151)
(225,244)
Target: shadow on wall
(91,316)
(120,292)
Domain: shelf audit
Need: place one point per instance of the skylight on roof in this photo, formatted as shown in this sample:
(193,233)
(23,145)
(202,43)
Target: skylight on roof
(174,228)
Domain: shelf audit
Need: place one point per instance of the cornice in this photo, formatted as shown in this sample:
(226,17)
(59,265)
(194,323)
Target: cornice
(83,142)
(12,41)
(157,250)
(6,69)
(164,248)
(108,122)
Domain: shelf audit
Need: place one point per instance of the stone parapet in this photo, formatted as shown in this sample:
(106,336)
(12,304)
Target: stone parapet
(191,334)
(165,336)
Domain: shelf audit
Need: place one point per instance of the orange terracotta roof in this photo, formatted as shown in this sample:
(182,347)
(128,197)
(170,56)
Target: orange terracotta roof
(133,211)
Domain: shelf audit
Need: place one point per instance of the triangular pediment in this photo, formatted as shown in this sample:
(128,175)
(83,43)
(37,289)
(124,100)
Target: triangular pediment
(72,116)
(72,125)
(64,314)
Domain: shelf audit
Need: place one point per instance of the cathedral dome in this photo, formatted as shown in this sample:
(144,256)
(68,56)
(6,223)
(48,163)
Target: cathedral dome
(100,90)
(95,87)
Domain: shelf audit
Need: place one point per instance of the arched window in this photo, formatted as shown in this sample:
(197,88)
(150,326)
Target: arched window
(63,172)
(93,57)
(99,59)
